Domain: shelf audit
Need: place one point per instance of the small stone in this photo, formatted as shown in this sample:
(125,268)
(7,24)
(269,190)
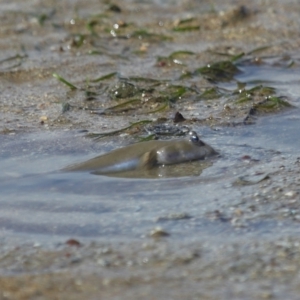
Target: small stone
(103,262)
(291,194)
(78,282)
(106,281)
(158,232)
(266,295)
(73,242)
(75,260)
(43,118)
(144,47)
(238,212)
(238,223)
(178,117)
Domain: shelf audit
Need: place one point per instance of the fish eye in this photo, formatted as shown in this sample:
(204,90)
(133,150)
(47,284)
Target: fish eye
(193,137)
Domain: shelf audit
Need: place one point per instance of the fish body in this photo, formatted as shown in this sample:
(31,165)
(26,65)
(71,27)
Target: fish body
(147,155)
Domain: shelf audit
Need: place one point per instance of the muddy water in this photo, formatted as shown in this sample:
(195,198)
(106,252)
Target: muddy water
(228,229)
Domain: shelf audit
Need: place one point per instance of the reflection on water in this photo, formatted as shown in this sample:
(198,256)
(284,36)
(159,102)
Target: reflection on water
(194,168)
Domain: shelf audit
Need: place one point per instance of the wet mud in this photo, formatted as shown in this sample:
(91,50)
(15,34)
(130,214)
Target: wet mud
(80,79)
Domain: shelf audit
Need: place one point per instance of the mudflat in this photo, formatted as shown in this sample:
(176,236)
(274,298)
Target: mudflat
(79,79)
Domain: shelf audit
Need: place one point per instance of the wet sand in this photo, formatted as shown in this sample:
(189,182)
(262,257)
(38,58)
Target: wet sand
(239,241)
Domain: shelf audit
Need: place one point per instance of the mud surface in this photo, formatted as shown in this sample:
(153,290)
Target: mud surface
(121,72)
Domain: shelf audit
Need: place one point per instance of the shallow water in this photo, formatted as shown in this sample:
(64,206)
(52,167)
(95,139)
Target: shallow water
(233,227)
(285,80)
(38,201)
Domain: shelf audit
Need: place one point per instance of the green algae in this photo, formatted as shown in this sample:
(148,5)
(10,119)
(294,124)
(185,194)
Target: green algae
(211,93)
(115,94)
(64,81)
(105,77)
(219,71)
(98,136)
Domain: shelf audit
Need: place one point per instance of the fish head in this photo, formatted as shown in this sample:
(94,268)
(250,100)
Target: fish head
(184,150)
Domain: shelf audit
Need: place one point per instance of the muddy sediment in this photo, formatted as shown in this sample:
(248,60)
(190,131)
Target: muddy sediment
(126,69)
